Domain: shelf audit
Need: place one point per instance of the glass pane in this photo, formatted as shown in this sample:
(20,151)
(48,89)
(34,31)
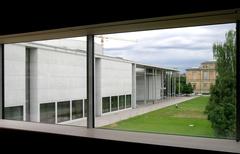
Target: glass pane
(85,107)
(128,101)
(47,113)
(122,102)
(14,113)
(63,111)
(77,109)
(114,103)
(105,104)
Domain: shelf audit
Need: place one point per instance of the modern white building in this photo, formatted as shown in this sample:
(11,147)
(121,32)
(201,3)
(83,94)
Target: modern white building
(46,82)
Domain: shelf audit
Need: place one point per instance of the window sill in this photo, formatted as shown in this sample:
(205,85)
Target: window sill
(135,137)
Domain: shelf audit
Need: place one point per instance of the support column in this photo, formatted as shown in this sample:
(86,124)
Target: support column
(172,79)
(98,85)
(90,81)
(155,85)
(174,83)
(170,88)
(27,82)
(133,101)
(2,81)
(237,81)
(169,84)
(162,85)
(179,83)
(201,81)
(145,86)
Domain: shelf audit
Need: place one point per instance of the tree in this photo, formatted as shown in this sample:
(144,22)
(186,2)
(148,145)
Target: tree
(184,87)
(187,88)
(221,109)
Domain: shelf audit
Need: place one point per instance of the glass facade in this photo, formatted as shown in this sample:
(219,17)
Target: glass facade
(105,104)
(47,113)
(128,101)
(122,102)
(63,111)
(85,107)
(14,113)
(114,103)
(77,109)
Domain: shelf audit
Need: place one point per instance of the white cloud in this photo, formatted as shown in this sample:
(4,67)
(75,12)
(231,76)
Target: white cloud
(181,47)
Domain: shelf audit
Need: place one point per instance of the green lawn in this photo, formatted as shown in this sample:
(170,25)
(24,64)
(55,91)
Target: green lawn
(172,120)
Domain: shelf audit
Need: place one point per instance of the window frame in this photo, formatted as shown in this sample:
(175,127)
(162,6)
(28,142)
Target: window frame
(63,34)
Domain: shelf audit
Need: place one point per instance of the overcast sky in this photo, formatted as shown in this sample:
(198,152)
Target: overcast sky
(179,47)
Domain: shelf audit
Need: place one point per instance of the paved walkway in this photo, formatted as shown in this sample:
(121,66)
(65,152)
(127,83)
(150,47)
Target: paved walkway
(114,117)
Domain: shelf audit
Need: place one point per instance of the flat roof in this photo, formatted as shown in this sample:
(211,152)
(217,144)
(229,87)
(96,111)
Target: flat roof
(142,65)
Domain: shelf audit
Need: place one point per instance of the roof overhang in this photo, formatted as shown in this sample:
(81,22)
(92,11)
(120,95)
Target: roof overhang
(174,21)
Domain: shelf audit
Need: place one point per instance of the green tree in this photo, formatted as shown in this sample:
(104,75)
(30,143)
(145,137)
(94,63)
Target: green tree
(183,86)
(187,88)
(221,109)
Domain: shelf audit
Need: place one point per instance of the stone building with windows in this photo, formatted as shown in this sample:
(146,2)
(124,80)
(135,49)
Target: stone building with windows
(202,77)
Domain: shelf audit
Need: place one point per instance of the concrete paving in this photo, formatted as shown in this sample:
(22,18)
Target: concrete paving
(114,117)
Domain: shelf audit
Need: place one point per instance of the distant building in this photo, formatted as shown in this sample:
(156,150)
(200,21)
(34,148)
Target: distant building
(202,77)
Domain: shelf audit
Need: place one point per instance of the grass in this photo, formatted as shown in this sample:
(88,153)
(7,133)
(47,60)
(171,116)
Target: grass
(188,119)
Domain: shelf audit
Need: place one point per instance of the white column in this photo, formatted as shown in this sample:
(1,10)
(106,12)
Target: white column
(163,80)
(174,90)
(145,86)
(155,86)
(168,85)
(98,86)
(56,109)
(70,109)
(133,101)
(179,84)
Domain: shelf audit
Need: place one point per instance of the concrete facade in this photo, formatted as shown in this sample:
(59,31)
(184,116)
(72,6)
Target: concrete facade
(58,74)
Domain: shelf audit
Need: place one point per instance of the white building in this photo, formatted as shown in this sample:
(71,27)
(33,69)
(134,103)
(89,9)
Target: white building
(46,82)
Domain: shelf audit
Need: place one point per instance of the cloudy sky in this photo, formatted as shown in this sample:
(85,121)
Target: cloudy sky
(176,48)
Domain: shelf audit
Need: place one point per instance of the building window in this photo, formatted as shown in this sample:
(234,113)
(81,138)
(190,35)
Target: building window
(205,85)
(122,102)
(14,113)
(150,71)
(105,104)
(114,103)
(47,113)
(85,107)
(194,75)
(205,75)
(194,86)
(63,111)
(77,109)
(128,101)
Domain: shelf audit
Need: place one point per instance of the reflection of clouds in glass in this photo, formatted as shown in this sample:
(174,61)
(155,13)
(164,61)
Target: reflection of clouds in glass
(179,47)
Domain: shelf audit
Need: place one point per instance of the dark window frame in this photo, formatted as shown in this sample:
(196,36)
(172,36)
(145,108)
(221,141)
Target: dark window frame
(238,83)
